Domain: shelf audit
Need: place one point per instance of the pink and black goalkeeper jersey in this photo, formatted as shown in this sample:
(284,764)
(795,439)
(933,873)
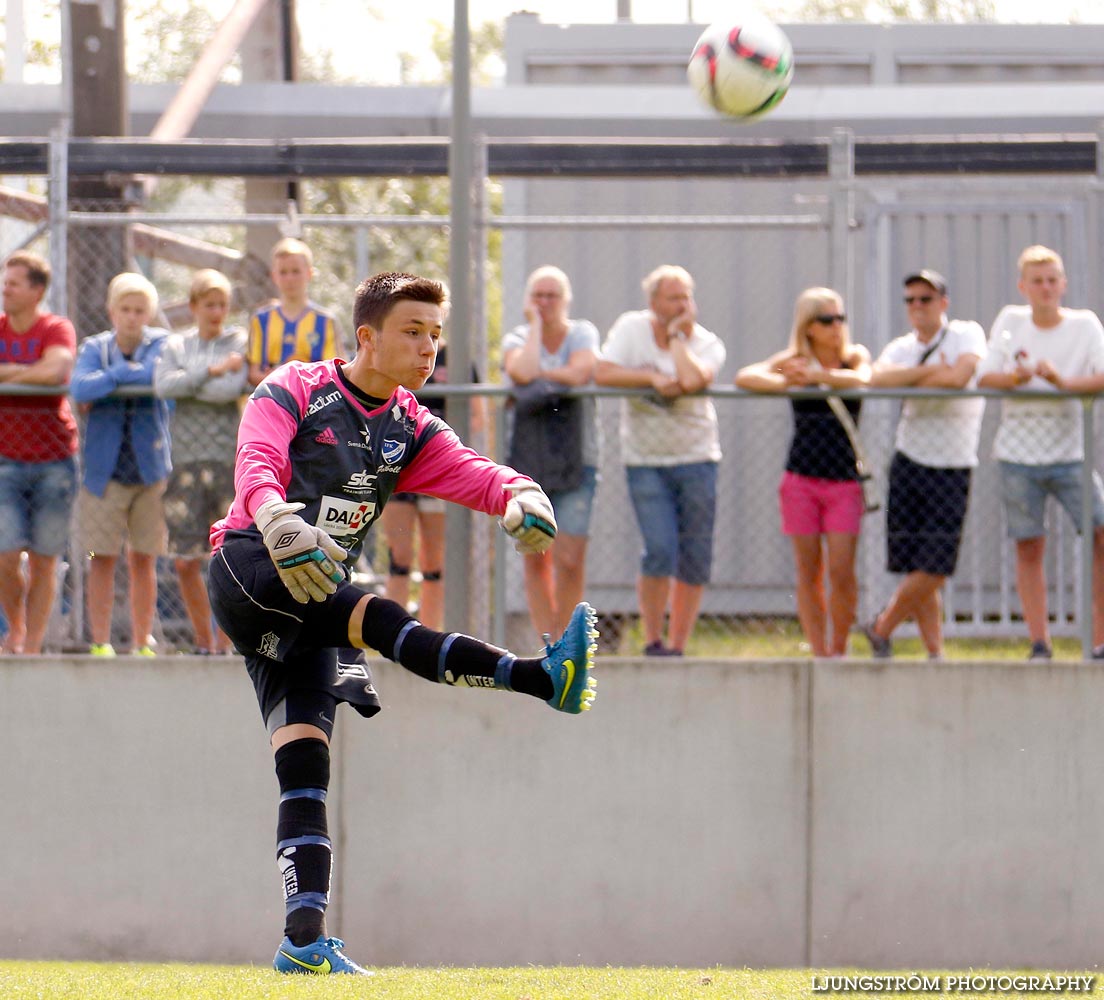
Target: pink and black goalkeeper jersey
(305,438)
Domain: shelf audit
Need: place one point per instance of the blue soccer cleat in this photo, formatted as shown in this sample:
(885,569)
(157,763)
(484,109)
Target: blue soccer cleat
(321,958)
(570,660)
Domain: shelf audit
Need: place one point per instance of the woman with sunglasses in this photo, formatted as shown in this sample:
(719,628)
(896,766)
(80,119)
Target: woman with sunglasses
(820,495)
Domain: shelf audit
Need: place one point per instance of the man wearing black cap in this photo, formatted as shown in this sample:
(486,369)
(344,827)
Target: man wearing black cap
(936,447)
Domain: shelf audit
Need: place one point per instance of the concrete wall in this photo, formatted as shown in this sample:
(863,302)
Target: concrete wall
(735,813)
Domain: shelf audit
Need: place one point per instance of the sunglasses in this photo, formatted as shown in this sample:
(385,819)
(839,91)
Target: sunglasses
(922,299)
(829,318)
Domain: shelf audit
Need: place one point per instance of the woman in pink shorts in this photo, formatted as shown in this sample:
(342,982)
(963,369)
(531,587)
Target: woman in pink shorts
(820,494)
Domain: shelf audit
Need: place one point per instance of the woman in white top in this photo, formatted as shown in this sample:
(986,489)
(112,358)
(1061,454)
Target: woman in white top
(554,438)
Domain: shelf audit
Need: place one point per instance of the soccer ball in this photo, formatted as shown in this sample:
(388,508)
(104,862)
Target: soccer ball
(742,68)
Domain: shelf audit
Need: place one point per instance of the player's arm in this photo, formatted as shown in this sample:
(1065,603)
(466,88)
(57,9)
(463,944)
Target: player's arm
(304,556)
(448,469)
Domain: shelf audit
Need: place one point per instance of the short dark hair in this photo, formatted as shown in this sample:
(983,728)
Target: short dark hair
(38,268)
(378,295)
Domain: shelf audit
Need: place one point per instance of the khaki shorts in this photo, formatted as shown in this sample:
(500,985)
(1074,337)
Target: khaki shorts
(134,513)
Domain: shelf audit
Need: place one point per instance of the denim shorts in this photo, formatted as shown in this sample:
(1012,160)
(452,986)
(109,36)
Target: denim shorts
(675,507)
(36,501)
(1026,488)
(573,507)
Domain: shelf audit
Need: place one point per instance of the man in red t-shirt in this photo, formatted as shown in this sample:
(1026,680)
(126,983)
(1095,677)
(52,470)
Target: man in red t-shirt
(38,446)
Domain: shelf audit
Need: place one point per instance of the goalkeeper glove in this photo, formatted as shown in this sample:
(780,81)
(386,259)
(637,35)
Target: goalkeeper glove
(529,519)
(304,555)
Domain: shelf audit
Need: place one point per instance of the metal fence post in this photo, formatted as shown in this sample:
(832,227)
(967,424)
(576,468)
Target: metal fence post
(498,581)
(1085,626)
(841,169)
(458,530)
(57,208)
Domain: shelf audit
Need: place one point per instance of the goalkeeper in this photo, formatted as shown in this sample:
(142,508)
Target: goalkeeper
(321,447)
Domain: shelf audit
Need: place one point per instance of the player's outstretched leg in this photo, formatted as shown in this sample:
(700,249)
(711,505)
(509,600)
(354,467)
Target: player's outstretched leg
(562,677)
(569,662)
(322,957)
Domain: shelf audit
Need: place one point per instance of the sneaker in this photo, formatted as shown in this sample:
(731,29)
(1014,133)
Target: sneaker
(658,649)
(1098,652)
(144,651)
(880,647)
(570,660)
(1040,651)
(321,958)
(101,649)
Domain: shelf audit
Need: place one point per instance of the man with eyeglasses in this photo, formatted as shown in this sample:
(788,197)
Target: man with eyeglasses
(936,449)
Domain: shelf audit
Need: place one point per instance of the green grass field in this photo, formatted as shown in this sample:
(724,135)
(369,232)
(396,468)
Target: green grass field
(120,981)
(771,638)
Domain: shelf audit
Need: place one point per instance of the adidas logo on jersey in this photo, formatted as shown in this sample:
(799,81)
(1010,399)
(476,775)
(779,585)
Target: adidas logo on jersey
(326,437)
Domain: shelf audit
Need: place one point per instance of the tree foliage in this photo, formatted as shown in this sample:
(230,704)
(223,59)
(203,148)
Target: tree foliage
(946,11)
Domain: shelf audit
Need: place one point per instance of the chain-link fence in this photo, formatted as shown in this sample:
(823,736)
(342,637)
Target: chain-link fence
(752,238)
(749,605)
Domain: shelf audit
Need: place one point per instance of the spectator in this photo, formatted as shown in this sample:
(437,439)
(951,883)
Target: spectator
(820,496)
(408,513)
(929,476)
(555,438)
(204,372)
(126,461)
(671,448)
(38,465)
(1039,446)
(292,328)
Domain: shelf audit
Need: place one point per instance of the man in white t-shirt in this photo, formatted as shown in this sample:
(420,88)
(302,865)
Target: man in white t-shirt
(671,448)
(1044,346)
(936,449)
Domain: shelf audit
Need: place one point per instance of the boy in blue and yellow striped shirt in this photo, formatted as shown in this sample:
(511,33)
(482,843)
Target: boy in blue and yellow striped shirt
(293,328)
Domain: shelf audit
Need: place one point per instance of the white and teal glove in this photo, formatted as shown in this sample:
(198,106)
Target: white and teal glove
(529,519)
(304,555)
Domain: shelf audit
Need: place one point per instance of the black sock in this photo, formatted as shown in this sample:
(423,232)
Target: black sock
(449,658)
(303,850)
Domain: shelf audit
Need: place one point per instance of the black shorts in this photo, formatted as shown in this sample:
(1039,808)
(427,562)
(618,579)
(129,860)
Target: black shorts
(924,515)
(297,655)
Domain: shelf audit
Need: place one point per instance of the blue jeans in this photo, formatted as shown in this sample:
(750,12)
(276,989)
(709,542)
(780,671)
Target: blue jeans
(36,501)
(675,507)
(572,507)
(1026,488)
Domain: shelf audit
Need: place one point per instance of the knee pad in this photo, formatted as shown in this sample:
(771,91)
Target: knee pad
(394,568)
(433,576)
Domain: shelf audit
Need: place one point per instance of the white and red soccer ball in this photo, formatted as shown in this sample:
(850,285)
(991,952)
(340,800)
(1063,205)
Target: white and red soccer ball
(743,67)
